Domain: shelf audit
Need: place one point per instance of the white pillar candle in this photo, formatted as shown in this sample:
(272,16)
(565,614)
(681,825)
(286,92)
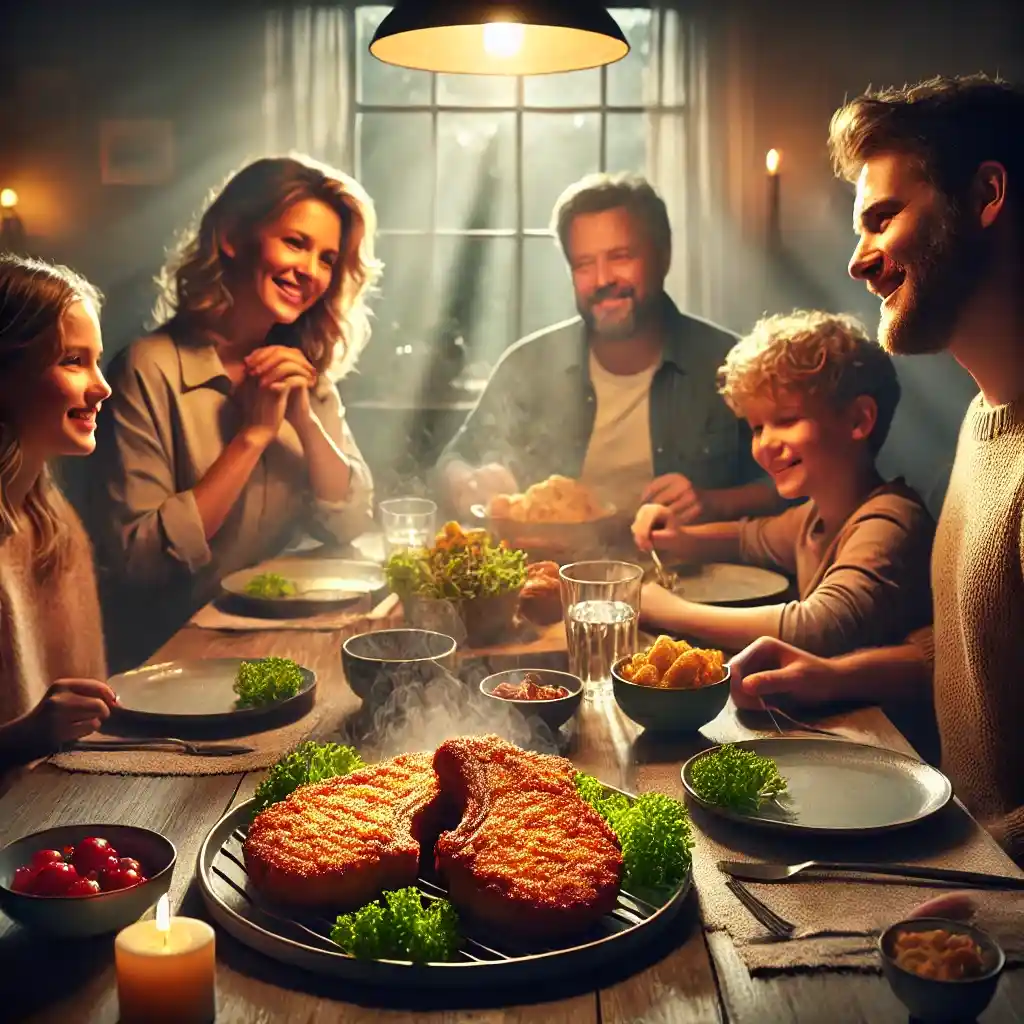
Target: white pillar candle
(165,970)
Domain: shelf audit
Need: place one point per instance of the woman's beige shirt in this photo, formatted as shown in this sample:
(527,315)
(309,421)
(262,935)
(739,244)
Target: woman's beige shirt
(169,419)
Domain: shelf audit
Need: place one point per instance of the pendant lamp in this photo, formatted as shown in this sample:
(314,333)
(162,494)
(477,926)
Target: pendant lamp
(529,37)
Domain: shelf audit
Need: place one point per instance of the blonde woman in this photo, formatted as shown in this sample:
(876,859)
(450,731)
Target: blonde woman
(226,432)
(51,389)
(819,396)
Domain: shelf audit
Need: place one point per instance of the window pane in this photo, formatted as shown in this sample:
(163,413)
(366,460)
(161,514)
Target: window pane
(557,150)
(476,296)
(402,309)
(626,77)
(571,89)
(396,167)
(476,182)
(626,141)
(476,90)
(547,287)
(383,83)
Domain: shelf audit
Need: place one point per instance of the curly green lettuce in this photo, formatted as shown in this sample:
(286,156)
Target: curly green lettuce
(653,830)
(266,681)
(399,927)
(270,584)
(309,762)
(737,779)
(462,564)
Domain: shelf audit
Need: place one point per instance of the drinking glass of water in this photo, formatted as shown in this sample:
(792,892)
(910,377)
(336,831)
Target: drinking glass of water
(407,523)
(600,608)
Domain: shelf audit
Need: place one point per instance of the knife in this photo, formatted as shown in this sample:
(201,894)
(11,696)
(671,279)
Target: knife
(163,746)
(762,872)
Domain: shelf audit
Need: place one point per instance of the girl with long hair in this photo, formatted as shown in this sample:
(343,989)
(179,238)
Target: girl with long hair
(51,389)
(227,435)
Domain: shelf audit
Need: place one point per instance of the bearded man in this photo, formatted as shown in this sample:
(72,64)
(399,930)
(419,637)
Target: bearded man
(622,397)
(939,215)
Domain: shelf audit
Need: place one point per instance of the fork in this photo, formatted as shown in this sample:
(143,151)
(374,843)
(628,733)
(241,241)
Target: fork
(773,711)
(108,743)
(659,568)
(775,923)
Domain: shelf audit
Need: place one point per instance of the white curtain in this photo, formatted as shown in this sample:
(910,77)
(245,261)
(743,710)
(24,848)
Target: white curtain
(681,156)
(307,97)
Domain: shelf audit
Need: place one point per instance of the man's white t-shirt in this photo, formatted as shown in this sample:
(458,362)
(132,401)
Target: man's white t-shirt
(619,462)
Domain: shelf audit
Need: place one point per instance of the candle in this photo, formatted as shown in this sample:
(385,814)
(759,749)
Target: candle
(165,970)
(772,162)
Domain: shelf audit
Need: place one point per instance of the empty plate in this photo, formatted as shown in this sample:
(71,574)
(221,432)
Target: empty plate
(834,786)
(722,583)
(195,692)
(318,583)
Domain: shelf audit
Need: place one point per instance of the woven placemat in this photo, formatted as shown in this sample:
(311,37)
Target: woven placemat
(317,650)
(838,919)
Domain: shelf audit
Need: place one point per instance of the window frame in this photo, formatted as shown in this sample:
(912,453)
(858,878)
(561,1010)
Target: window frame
(519,232)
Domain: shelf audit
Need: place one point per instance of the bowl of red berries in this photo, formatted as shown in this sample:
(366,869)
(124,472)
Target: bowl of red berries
(81,880)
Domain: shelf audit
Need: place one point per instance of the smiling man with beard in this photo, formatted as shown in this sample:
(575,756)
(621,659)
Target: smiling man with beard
(623,396)
(939,172)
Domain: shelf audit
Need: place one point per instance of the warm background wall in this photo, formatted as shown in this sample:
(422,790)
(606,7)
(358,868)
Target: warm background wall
(791,64)
(784,68)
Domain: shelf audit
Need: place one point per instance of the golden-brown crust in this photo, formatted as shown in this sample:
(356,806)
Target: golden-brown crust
(529,856)
(340,842)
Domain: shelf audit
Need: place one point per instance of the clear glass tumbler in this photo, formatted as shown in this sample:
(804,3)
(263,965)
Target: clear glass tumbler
(407,523)
(600,608)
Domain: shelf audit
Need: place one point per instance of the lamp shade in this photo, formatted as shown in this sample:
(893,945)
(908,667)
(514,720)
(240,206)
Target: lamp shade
(530,37)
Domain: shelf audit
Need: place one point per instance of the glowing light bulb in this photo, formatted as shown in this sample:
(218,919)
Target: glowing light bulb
(503,39)
(772,161)
(8,198)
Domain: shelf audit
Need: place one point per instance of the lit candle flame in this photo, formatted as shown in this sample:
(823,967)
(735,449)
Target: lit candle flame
(163,917)
(772,161)
(503,38)
(8,198)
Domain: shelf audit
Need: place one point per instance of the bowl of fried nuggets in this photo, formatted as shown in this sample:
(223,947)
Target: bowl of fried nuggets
(671,686)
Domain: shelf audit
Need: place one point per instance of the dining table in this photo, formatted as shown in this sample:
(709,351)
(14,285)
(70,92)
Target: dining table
(690,973)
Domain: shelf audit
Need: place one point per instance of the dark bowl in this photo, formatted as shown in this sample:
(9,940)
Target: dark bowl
(554,713)
(669,710)
(473,622)
(942,1002)
(83,916)
(375,663)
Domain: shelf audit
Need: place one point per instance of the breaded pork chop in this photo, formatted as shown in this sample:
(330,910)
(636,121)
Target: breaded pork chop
(339,843)
(529,856)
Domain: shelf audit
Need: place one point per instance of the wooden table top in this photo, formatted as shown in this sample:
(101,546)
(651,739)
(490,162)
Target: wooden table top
(690,977)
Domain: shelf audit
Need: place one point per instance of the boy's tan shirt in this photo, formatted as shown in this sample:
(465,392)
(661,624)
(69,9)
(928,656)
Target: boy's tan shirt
(865,584)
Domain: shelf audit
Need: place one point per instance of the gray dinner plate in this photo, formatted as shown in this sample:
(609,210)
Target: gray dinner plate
(318,582)
(835,787)
(722,583)
(191,692)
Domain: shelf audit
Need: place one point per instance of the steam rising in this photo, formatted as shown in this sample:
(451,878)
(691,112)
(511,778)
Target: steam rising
(417,705)
(420,714)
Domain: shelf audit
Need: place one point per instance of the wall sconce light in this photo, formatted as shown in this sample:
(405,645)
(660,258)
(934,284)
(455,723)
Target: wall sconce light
(12,230)
(518,37)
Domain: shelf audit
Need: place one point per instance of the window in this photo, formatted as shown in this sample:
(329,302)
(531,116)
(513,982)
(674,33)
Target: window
(464,172)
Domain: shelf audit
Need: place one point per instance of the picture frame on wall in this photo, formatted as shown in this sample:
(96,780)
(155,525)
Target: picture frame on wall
(137,151)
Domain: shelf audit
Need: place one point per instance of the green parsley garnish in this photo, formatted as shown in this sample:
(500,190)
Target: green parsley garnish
(653,831)
(399,927)
(265,681)
(270,584)
(736,778)
(309,762)
(462,564)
